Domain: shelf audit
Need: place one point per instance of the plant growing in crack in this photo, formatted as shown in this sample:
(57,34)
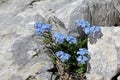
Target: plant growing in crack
(69,54)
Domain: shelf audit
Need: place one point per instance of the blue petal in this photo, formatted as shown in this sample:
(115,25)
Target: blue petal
(46,26)
(65,57)
(95,28)
(62,55)
(79,58)
(82,23)
(82,59)
(37,25)
(71,39)
(59,53)
(59,38)
(85,58)
(82,51)
(86,30)
(37,32)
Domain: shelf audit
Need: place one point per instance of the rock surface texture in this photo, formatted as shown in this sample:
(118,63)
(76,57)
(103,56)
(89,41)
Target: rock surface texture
(105,55)
(117,4)
(21,54)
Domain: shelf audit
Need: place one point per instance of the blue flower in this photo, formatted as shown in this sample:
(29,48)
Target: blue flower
(82,59)
(71,39)
(59,53)
(95,33)
(63,56)
(37,25)
(95,29)
(82,51)
(46,27)
(41,28)
(59,38)
(37,32)
(82,23)
(87,30)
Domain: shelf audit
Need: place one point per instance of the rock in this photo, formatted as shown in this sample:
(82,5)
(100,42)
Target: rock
(118,78)
(3,1)
(117,4)
(20,52)
(95,76)
(16,77)
(104,61)
(57,25)
(68,20)
(25,57)
(19,49)
(96,12)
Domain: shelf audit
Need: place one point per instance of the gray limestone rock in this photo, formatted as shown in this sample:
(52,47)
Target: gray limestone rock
(16,77)
(23,51)
(20,52)
(117,5)
(57,25)
(96,12)
(118,78)
(3,1)
(105,53)
(19,58)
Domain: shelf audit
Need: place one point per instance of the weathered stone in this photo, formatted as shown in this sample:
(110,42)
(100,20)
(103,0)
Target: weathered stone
(19,49)
(57,25)
(20,52)
(27,58)
(118,78)
(117,5)
(3,1)
(105,53)
(95,76)
(16,77)
(96,12)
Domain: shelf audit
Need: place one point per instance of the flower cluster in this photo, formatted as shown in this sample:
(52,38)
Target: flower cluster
(82,23)
(60,38)
(71,39)
(41,28)
(93,32)
(62,55)
(82,55)
(66,49)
